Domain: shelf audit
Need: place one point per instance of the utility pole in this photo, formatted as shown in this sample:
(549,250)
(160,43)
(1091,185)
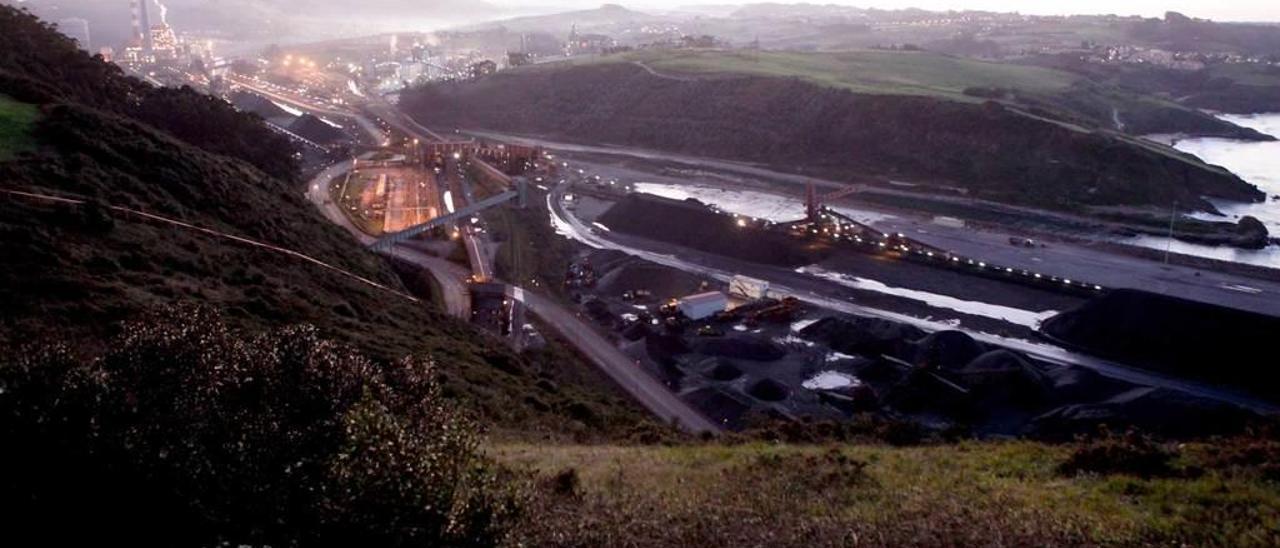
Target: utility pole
(1168,244)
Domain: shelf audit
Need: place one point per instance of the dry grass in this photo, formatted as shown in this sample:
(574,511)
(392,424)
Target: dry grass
(970,493)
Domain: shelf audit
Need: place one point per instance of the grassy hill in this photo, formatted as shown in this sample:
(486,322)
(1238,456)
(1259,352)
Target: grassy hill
(74,273)
(16,120)
(1009,494)
(1038,147)
(1054,93)
(866,71)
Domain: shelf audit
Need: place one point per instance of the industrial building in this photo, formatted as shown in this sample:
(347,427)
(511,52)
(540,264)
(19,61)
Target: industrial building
(703,305)
(748,288)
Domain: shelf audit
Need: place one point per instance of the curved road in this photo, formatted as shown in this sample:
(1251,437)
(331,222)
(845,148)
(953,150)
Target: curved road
(452,278)
(645,389)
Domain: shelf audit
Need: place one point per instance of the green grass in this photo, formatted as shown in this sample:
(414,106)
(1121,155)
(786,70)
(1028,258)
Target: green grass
(1005,493)
(16,120)
(865,71)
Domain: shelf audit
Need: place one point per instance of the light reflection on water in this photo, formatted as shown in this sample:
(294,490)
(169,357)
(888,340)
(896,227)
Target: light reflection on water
(1255,162)
(763,205)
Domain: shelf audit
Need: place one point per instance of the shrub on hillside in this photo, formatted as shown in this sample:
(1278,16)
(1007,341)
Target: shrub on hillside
(1131,453)
(184,432)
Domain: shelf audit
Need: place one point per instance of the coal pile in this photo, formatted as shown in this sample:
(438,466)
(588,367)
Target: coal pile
(718,405)
(692,224)
(1177,336)
(869,337)
(257,104)
(316,130)
(663,348)
(769,390)
(947,350)
(1078,384)
(1004,377)
(722,370)
(742,348)
(1154,410)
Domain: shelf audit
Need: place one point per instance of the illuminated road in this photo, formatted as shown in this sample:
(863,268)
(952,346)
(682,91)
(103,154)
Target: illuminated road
(371,129)
(451,277)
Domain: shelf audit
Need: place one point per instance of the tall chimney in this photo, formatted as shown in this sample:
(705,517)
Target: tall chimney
(142,24)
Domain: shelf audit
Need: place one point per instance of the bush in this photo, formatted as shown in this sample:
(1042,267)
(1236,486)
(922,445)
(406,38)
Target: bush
(184,432)
(1131,453)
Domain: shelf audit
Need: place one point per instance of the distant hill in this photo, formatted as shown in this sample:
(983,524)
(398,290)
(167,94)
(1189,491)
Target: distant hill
(589,20)
(1024,136)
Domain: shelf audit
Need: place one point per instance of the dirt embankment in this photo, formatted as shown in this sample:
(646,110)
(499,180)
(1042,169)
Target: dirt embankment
(987,148)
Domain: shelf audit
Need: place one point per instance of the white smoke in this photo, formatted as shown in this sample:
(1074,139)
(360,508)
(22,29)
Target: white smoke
(164,11)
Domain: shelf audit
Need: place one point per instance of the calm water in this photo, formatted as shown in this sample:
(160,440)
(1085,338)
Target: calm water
(1257,163)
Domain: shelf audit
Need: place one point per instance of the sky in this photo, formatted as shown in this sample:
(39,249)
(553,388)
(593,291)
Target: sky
(1220,10)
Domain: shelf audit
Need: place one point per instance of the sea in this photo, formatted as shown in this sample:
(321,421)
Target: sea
(1255,162)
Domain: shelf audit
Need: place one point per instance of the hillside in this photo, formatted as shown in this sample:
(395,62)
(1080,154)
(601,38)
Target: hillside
(15,127)
(1059,94)
(999,150)
(842,494)
(1232,88)
(74,272)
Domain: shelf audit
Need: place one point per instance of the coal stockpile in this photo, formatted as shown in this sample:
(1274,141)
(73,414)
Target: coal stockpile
(316,130)
(257,104)
(692,224)
(1188,338)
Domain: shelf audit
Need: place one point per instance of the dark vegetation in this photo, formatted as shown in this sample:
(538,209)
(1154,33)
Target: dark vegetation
(186,432)
(1238,89)
(995,150)
(529,249)
(1176,336)
(78,271)
(1177,32)
(39,65)
(1138,493)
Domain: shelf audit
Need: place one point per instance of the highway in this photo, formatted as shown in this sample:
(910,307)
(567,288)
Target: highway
(365,124)
(818,292)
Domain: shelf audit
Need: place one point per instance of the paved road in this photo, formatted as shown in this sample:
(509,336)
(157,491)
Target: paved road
(365,124)
(645,389)
(642,387)
(822,294)
(451,277)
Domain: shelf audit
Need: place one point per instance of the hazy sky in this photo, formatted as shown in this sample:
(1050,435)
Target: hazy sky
(1222,10)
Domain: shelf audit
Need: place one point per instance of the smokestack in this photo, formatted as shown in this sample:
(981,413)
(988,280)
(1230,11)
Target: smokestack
(142,24)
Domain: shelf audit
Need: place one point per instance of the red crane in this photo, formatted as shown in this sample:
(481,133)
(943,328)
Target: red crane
(813,202)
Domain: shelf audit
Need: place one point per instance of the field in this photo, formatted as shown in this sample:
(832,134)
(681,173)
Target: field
(1005,493)
(867,71)
(15,124)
